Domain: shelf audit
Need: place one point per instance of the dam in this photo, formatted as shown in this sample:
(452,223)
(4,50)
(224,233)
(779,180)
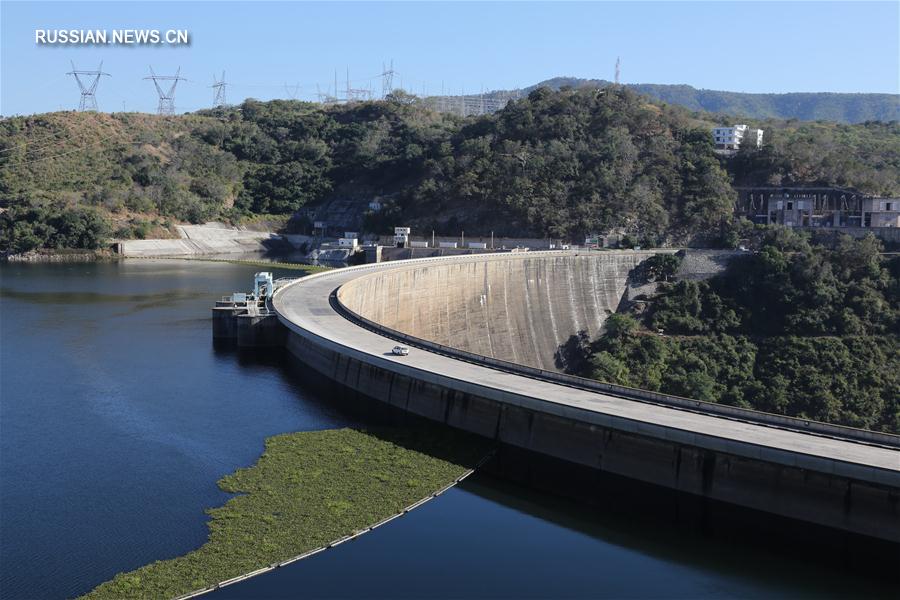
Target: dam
(484,333)
(518,310)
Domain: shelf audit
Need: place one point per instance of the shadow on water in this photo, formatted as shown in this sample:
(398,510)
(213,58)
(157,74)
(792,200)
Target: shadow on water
(167,298)
(793,554)
(322,392)
(376,418)
(668,525)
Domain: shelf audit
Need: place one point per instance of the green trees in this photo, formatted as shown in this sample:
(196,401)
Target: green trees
(661,267)
(563,164)
(24,228)
(864,156)
(554,164)
(798,328)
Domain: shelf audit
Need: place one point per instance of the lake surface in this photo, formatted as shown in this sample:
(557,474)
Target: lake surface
(118,416)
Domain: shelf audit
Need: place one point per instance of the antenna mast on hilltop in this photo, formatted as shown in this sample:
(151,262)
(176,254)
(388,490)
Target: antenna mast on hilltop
(387,79)
(618,64)
(219,86)
(167,98)
(88,86)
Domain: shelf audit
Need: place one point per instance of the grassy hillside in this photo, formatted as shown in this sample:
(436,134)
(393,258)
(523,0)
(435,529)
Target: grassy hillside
(73,179)
(811,106)
(557,164)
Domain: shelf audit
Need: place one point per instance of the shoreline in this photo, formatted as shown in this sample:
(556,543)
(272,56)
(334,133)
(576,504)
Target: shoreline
(61,256)
(56,256)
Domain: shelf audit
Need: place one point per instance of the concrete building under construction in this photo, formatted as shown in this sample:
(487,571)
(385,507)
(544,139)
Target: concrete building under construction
(816,207)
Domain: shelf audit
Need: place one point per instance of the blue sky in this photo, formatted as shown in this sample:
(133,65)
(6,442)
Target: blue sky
(777,47)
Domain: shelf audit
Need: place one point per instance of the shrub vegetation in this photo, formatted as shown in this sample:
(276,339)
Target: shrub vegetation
(799,329)
(553,164)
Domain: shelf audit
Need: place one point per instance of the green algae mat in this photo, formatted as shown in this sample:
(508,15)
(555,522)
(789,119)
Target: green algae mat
(307,490)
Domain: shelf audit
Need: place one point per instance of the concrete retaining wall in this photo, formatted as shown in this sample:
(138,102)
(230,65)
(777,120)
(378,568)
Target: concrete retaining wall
(200,240)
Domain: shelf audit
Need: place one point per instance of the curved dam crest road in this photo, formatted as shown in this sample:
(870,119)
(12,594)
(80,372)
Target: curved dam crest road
(521,307)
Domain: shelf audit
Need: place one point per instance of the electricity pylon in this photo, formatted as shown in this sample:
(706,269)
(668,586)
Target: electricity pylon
(88,86)
(166,98)
(219,86)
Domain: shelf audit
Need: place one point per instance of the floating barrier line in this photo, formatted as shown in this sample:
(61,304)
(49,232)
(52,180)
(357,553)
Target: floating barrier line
(339,540)
(238,261)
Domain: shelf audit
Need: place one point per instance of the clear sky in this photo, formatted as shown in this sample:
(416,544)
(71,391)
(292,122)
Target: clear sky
(748,47)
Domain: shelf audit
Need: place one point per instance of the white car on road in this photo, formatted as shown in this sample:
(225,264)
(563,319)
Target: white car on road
(400,350)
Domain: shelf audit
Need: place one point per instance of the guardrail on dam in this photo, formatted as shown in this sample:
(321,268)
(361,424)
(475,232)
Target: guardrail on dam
(486,316)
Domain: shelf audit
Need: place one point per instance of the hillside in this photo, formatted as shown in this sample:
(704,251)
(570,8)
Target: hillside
(815,106)
(557,164)
(801,329)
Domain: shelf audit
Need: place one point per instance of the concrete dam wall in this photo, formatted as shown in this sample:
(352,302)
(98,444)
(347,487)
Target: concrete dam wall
(518,309)
(521,308)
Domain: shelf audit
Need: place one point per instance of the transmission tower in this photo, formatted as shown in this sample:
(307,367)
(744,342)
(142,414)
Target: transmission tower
(88,82)
(292,90)
(219,86)
(355,94)
(387,79)
(618,64)
(166,98)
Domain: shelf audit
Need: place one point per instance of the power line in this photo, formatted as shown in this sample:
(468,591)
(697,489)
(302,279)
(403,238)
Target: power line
(38,141)
(51,157)
(32,148)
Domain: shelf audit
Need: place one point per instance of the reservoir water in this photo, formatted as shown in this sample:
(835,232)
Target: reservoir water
(118,416)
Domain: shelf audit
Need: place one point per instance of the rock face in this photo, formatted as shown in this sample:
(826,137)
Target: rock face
(703,264)
(511,307)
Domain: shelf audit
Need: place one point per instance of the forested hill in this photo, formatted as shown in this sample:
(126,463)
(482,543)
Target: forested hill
(804,106)
(558,164)
(799,329)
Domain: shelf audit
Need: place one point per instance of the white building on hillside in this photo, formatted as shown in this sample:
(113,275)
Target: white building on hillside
(731,138)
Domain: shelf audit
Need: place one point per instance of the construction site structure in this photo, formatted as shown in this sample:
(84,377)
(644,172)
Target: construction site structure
(472,105)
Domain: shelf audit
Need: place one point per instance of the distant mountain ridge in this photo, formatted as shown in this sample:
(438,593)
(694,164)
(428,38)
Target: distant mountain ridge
(804,106)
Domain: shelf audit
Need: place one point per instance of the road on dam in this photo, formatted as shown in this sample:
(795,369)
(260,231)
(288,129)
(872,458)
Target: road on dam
(307,308)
